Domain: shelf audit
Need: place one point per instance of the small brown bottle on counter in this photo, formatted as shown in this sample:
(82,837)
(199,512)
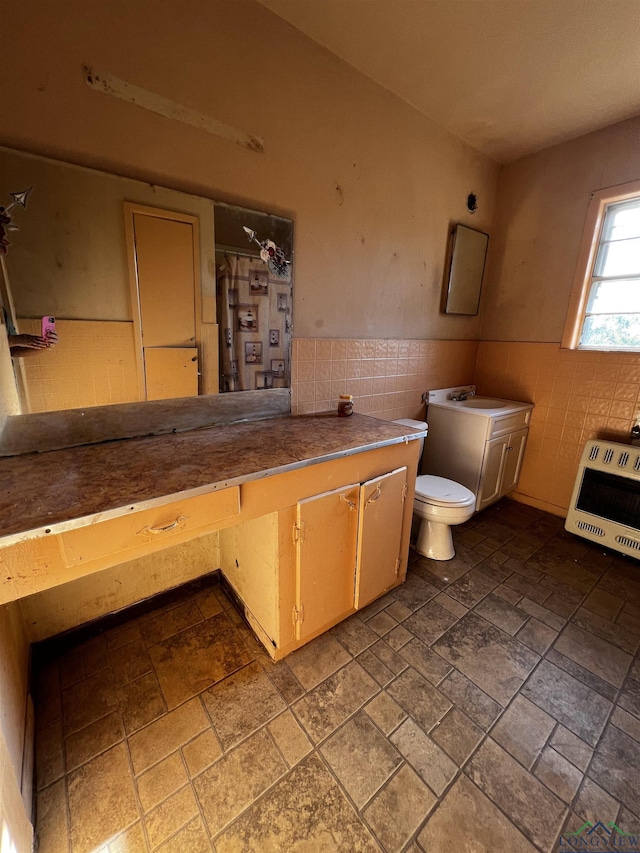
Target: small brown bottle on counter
(345,405)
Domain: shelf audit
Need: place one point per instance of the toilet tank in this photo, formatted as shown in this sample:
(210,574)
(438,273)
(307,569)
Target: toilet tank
(416,425)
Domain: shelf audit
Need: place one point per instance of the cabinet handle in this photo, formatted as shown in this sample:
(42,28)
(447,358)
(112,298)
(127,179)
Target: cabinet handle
(375,495)
(164,529)
(509,448)
(349,503)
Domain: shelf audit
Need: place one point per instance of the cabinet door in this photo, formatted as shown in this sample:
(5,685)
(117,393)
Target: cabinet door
(514,453)
(326,533)
(379,534)
(492,468)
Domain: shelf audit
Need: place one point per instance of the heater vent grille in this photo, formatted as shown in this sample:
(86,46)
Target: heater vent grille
(623,459)
(593,455)
(589,528)
(628,543)
(608,456)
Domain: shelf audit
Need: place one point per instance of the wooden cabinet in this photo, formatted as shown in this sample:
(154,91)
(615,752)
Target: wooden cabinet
(380,518)
(325,553)
(302,549)
(325,532)
(171,372)
(348,545)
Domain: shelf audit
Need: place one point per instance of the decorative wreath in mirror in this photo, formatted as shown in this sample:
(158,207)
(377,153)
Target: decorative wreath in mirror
(6,220)
(271,254)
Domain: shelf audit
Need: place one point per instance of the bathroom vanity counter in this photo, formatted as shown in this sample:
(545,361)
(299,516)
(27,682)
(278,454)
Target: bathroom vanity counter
(54,491)
(312,515)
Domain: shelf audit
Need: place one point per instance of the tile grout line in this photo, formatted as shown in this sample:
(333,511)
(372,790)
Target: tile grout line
(143,825)
(608,722)
(494,724)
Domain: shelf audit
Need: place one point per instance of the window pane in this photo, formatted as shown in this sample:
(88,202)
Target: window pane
(622,221)
(621,258)
(614,297)
(611,330)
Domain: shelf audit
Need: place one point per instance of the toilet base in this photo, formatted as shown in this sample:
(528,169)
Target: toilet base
(435,540)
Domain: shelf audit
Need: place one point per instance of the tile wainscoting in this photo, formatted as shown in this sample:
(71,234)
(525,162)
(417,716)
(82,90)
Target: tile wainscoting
(577,396)
(93,364)
(386,377)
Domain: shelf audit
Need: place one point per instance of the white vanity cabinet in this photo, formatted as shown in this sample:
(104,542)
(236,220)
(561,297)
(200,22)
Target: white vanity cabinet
(482,448)
(501,463)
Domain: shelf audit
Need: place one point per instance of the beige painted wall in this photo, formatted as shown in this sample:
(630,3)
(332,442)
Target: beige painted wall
(14,669)
(542,204)
(372,185)
(14,664)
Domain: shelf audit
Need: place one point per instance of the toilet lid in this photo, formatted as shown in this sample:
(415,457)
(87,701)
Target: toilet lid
(443,492)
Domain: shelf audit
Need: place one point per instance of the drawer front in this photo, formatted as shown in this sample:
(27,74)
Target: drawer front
(152,528)
(509,423)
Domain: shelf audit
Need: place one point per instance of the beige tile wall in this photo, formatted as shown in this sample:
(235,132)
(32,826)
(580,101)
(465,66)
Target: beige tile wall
(577,396)
(386,377)
(93,364)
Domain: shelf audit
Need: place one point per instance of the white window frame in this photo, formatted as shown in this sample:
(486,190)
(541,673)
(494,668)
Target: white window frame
(592,234)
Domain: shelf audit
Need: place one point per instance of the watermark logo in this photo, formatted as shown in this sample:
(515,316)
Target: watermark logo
(600,836)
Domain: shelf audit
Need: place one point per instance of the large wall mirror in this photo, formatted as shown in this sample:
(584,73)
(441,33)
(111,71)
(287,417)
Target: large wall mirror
(156,294)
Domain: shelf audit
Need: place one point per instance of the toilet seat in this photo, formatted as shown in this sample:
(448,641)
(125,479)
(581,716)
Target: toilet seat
(442,492)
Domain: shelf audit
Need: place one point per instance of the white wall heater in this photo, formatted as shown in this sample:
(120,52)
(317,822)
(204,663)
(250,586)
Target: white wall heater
(605,504)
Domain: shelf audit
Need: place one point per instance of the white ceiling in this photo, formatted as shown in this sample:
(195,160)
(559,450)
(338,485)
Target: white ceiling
(507,76)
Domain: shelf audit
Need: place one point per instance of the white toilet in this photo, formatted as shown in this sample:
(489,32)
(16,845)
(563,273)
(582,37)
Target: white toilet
(439,503)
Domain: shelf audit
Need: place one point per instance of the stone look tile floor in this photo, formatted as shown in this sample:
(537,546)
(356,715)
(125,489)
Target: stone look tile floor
(490,703)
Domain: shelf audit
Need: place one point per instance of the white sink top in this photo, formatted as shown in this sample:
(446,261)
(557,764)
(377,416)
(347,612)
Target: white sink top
(484,405)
